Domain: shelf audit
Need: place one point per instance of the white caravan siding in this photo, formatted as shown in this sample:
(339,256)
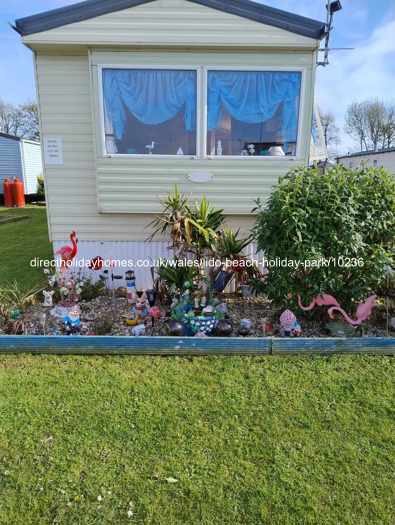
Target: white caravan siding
(32,165)
(172,23)
(381,160)
(10,160)
(129,188)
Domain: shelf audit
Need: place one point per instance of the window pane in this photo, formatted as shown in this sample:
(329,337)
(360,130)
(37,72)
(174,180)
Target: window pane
(253,113)
(150,111)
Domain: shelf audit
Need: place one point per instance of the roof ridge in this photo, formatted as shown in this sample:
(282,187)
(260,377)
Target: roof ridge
(245,8)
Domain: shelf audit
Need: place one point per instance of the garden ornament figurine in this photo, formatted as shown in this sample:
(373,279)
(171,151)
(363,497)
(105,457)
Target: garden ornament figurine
(67,253)
(363,312)
(319,300)
(72,321)
(289,326)
(48,298)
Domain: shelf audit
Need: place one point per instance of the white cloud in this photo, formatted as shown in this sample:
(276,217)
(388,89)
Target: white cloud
(365,73)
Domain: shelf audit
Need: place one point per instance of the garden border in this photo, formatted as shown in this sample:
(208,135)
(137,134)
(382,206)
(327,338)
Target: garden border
(185,346)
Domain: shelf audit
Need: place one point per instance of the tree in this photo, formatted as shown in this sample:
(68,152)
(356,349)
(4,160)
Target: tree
(31,126)
(372,124)
(11,119)
(329,128)
(356,123)
(21,120)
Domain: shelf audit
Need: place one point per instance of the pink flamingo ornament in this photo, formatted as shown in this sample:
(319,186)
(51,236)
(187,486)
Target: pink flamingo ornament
(363,313)
(319,300)
(67,253)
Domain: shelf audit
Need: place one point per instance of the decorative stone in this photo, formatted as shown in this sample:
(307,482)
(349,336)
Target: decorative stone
(202,324)
(208,311)
(245,327)
(176,328)
(138,330)
(223,328)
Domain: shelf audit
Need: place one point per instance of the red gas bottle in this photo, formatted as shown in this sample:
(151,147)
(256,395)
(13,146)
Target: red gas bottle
(18,193)
(7,192)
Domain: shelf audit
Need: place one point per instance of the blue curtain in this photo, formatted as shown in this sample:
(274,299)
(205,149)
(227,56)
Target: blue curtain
(152,96)
(254,97)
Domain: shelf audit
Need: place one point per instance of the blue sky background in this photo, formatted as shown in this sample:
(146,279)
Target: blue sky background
(366,72)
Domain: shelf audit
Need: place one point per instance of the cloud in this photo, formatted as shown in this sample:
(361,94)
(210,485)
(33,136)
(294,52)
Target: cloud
(365,73)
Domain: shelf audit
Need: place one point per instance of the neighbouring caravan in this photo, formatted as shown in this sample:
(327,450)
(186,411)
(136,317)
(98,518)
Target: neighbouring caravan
(20,158)
(382,158)
(137,96)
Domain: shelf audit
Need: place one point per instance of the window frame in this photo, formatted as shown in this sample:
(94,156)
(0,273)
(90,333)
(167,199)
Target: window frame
(202,111)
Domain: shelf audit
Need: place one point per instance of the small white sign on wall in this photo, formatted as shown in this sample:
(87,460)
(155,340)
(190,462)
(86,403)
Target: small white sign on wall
(53,151)
(200,176)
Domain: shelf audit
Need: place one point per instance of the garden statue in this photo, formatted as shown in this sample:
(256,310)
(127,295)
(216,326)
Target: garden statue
(151,297)
(67,253)
(72,322)
(289,325)
(363,312)
(132,319)
(48,297)
(155,312)
(319,300)
(245,327)
(142,309)
(222,308)
(267,327)
(130,286)
(138,330)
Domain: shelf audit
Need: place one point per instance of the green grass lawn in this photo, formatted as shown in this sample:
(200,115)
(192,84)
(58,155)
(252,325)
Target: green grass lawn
(19,243)
(196,441)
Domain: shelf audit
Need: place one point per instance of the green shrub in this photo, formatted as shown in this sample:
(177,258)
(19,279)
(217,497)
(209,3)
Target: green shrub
(343,216)
(40,188)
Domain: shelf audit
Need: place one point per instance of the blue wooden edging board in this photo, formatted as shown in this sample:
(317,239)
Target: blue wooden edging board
(107,345)
(332,345)
(134,345)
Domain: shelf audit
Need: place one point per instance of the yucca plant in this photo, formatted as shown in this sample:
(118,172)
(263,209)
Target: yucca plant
(206,221)
(13,296)
(228,245)
(191,230)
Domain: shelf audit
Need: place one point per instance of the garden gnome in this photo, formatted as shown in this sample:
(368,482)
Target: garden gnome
(289,324)
(48,298)
(72,321)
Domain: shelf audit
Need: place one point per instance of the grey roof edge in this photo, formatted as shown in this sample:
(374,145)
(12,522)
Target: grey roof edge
(245,8)
(8,136)
(366,153)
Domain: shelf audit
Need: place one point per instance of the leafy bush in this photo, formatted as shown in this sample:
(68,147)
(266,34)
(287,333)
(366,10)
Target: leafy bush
(40,188)
(343,216)
(90,290)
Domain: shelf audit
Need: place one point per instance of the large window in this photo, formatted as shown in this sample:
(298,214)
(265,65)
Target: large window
(150,111)
(252,113)
(155,112)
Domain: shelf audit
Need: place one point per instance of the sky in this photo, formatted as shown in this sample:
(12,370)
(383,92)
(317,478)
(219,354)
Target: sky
(366,72)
